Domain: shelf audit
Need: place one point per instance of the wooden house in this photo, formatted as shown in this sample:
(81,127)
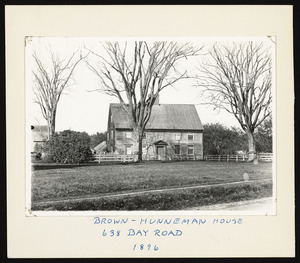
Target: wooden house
(39,134)
(100,148)
(174,131)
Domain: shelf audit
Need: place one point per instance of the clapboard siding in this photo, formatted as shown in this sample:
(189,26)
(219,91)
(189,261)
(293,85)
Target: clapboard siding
(167,122)
(153,136)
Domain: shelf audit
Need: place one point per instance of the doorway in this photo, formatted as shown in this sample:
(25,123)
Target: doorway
(160,152)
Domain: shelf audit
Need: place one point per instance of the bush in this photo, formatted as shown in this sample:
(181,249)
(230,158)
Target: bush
(263,136)
(68,147)
(220,140)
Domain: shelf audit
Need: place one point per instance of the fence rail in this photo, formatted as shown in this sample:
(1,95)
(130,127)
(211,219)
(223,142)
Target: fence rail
(114,158)
(131,158)
(265,157)
(188,157)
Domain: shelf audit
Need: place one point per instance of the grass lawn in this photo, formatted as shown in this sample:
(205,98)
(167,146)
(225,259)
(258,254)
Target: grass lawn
(97,180)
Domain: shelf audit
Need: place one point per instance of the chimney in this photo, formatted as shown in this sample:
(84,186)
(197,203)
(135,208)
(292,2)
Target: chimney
(156,102)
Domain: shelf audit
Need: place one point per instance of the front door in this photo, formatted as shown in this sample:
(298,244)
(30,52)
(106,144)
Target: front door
(160,151)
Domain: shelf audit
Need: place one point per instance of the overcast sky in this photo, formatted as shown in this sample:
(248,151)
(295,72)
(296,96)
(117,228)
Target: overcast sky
(81,108)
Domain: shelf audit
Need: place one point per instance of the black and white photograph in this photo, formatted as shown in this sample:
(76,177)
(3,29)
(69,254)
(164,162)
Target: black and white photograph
(150,131)
(150,124)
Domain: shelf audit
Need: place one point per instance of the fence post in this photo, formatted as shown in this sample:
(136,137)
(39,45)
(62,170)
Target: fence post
(237,158)
(227,159)
(99,157)
(243,157)
(219,158)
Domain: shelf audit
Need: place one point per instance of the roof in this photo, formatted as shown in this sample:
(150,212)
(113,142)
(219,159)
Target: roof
(100,146)
(160,142)
(163,117)
(39,133)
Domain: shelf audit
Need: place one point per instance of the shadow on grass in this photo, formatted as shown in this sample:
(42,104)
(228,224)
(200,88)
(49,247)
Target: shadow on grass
(47,166)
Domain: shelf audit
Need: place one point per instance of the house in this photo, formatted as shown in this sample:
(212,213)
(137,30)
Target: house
(173,131)
(39,134)
(100,148)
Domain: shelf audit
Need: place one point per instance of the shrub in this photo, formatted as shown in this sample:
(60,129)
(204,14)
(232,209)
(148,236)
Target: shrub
(68,147)
(263,136)
(220,140)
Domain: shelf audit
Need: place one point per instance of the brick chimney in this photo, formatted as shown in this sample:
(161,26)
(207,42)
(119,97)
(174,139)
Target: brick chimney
(156,102)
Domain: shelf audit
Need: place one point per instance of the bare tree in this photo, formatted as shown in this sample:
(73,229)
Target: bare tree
(137,74)
(50,80)
(238,80)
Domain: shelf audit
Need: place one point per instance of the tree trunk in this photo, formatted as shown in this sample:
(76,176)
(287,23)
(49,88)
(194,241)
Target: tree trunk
(251,146)
(51,124)
(138,138)
(140,148)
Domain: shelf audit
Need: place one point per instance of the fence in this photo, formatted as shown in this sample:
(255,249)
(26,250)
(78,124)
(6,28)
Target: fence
(131,158)
(227,158)
(181,157)
(188,157)
(264,157)
(115,158)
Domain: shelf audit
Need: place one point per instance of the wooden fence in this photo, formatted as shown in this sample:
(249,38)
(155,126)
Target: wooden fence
(187,157)
(264,157)
(114,158)
(131,158)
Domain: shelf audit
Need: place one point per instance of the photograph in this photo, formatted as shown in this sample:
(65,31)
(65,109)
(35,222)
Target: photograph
(150,124)
(150,131)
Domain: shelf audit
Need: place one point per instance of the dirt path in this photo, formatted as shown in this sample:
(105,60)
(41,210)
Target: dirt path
(75,199)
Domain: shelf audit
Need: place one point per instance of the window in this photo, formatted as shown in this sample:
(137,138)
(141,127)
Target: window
(177,136)
(177,149)
(128,135)
(191,136)
(190,149)
(128,149)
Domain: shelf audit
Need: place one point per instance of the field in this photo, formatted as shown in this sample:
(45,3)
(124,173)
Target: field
(133,186)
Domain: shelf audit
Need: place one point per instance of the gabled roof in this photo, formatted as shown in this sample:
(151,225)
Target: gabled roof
(100,146)
(160,142)
(163,117)
(39,133)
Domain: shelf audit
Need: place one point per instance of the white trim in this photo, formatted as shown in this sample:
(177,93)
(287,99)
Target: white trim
(128,135)
(192,135)
(128,146)
(191,147)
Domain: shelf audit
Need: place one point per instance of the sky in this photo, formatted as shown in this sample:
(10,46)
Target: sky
(83,108)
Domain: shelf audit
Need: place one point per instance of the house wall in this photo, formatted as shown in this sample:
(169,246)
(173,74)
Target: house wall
(149,149)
